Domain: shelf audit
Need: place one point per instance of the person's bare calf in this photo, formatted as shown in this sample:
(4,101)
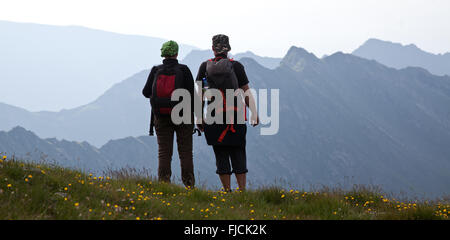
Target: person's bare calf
(241,180)
(226,181)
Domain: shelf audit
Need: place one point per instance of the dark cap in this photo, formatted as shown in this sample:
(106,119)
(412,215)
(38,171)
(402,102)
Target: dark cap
(221,44)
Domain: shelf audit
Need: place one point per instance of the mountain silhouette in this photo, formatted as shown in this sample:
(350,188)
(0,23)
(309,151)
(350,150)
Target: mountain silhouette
(121,111)
(400,56)
(45,67)
(268,62)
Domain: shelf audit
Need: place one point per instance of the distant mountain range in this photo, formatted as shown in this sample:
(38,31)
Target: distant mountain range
(344,120)
(121,111)
(130,153)
(45,67)
(401,56)
(268,62)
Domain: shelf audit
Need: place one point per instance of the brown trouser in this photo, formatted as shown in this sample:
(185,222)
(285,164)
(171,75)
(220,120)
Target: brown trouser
(165,131)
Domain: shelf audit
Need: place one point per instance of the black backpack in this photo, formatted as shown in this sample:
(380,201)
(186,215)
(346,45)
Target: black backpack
(220,75)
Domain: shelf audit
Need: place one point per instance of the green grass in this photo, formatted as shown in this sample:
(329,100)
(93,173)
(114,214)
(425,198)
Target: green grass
(31,191)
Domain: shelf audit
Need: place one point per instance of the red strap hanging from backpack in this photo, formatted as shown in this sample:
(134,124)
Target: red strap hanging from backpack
(230,127)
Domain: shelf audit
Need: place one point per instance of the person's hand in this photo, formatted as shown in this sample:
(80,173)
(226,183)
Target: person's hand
(254,121)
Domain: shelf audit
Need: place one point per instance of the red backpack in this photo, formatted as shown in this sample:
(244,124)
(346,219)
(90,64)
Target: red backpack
(167,79)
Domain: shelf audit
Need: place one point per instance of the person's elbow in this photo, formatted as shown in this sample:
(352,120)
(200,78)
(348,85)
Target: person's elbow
(145,93)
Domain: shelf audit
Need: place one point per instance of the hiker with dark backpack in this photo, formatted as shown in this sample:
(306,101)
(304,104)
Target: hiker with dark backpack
(163,80)
(228,138)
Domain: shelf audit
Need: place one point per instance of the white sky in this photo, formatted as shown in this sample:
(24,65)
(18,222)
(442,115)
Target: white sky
(267,28)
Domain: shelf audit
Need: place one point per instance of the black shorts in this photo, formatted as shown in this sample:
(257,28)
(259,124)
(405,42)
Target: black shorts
(235,154)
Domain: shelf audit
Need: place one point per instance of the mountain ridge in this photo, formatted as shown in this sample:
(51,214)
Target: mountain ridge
(400,56)
(74,61)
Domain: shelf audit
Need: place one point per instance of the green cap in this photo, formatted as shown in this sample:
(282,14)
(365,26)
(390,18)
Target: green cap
(169,49)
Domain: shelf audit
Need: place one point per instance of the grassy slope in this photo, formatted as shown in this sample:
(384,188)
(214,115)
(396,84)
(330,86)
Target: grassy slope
(30,191)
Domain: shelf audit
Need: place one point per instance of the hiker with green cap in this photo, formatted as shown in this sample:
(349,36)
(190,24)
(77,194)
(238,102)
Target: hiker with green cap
(228,138)
(162,81)
(169,49)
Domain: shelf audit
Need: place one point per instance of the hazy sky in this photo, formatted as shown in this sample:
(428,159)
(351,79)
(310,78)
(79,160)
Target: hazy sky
(265,27)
